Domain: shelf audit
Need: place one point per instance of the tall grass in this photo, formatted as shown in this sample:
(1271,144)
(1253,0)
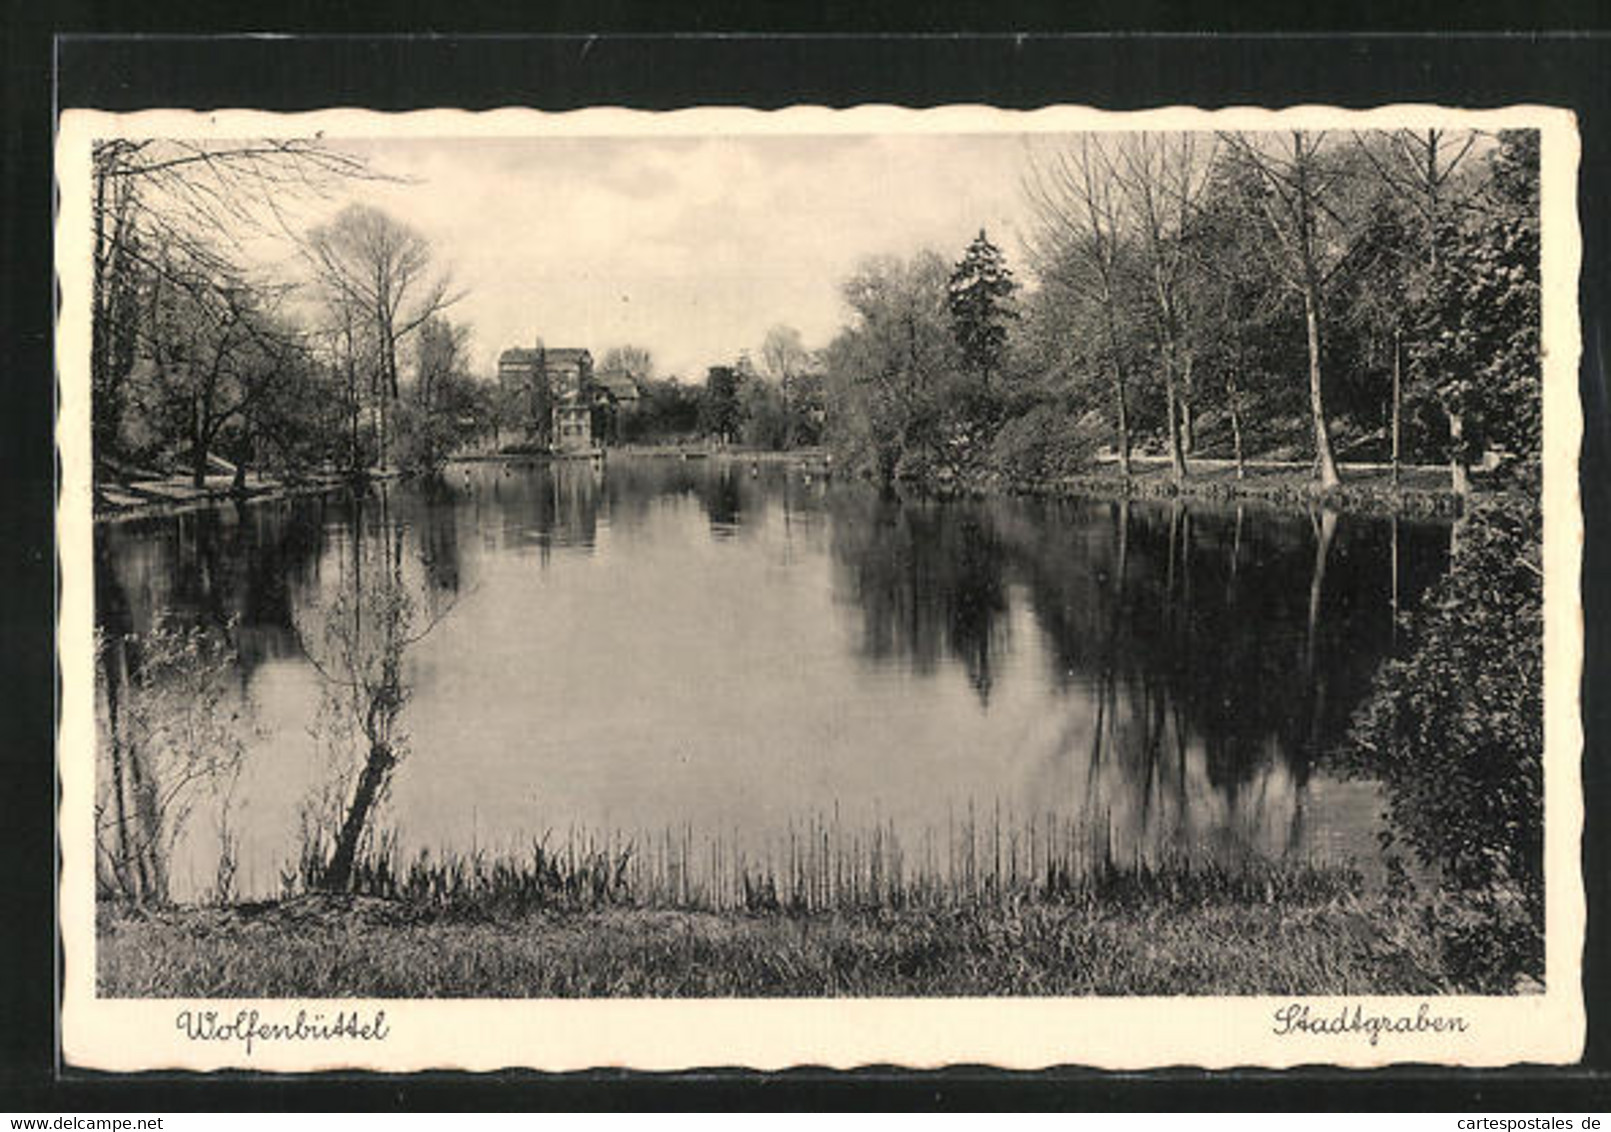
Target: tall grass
(822,864)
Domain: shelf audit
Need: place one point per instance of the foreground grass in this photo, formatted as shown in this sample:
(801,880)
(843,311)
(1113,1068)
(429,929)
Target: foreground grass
(336,947)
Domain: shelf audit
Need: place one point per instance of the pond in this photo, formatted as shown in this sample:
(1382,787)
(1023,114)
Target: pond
(718,653)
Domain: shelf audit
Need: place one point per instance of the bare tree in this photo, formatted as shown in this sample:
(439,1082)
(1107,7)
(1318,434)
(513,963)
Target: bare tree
(1163,177)
(1075,196)
(358,647)
(172,737)
(376,274)
(443,352)
(211,348)
(1298,188)
(783,354)
(633,361)
(784,357)
(170,214)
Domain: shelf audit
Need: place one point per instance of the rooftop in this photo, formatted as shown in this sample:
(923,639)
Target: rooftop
(523,355)
(567,354)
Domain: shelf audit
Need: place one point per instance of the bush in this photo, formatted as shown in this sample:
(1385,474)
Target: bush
(1043,443)
(423,439)
(1455,727)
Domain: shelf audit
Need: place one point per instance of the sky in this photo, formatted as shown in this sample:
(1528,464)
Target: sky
(690,246)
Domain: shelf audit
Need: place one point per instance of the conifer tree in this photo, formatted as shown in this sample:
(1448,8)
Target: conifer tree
(979,295)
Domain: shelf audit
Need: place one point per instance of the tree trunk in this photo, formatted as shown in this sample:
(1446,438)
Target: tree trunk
(198,452)
(1177,459)
(1325,533)
(1186,430)
(1317,406)
(116,669)
(338,876)
(1123,409)
(1236,425)
(1124,425)
(1177,463)
(1398,401)
(1459,475)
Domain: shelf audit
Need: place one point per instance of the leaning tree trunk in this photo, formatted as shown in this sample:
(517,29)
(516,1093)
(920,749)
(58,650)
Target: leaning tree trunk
(1317,405)
(338,876)
(244,456)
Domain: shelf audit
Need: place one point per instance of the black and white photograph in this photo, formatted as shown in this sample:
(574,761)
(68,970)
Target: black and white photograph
(819,586)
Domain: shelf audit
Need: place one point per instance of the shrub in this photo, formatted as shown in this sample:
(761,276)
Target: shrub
(171,737)
(1042,443)
(1455,727)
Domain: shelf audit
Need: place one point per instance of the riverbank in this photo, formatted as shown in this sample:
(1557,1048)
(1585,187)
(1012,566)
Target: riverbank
(171,495)
(347,946)
(1365,489)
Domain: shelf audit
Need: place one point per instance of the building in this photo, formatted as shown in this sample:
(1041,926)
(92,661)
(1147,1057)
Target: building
(621,388)
(517,372)
(563,378)
(569,373)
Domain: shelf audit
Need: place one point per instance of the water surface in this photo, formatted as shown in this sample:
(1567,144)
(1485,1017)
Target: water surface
(734,650)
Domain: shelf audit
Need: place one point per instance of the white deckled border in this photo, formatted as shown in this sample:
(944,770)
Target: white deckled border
(1113,1033)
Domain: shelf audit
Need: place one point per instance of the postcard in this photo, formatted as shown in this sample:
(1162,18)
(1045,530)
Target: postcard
(819,587)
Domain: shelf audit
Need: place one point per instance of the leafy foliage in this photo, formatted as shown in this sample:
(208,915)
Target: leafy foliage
(667,410)
(1455,727)
(766,416)
(1479,342)
(447,408)
(889,373)
(720,412)
(1045,442)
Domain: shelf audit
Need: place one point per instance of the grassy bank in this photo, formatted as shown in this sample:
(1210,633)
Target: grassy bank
(1002,907)
(350,946)
(1366,488)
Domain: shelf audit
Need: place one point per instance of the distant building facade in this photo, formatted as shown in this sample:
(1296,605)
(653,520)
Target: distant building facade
(563,378)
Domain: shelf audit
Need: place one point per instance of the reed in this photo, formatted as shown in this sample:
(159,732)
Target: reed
(822,864)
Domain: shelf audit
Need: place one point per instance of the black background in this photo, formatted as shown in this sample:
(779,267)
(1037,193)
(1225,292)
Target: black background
(559,71)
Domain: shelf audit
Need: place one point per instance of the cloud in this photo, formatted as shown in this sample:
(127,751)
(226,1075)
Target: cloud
(692,247)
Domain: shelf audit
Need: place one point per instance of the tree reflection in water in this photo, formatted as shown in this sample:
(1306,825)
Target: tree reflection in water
(1203,661)
(1168,675)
